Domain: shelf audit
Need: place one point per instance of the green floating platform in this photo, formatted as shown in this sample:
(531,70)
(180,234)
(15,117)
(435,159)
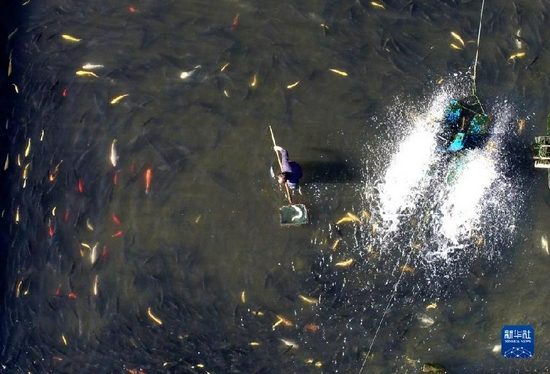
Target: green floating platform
(293,215)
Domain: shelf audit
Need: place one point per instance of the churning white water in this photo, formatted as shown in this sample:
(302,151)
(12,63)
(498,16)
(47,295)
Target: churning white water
(445,215)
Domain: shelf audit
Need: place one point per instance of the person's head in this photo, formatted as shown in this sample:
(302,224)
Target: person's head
(282,178)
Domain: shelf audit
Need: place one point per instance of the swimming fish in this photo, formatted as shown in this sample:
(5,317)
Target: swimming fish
(457,37)
(544,243)
(339,72)
(254,81)
(89,66)
(93,253)
(87,73)
(521,125)
(344,264)
(118,98)
(70,38)
(516,55)
(290,86)
(153,317)
(454,46)
(114,153)
(187,74)
(377,5)
(309,300)
(289,343)
(425,320)
(148,176)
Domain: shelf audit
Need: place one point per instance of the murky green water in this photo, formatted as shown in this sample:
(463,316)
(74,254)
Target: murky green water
(193,275)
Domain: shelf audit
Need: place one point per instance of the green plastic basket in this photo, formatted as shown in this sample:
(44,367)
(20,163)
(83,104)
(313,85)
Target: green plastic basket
(293,215)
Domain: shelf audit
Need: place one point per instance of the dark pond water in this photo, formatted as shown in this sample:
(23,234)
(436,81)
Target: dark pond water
(168,257)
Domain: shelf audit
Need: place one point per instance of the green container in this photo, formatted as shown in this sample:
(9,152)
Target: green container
(293,215)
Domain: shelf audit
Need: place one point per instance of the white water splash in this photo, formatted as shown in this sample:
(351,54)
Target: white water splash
(447,216)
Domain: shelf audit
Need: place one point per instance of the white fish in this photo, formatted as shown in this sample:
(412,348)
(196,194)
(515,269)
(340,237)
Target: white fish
(425,320)
(289,343)
(187,74)
(114,153)
(497,348)
(92,66)
(518,39)
(93,253)
(544,243)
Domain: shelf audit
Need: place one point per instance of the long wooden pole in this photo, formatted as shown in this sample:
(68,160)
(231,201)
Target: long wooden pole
(280,165)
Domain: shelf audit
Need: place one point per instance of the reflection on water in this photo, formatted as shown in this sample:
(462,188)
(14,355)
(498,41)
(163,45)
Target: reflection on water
(171,259)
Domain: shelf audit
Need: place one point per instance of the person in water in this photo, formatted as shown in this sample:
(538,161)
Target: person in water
(291,172)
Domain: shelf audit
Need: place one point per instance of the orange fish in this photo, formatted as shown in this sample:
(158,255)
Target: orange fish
(148,175)
(235,22)
(311,327)
(80,186)
(115,177)
(72,295)
(118,233)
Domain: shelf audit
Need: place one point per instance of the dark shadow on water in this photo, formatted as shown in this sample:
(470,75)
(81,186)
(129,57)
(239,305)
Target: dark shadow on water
(330,167)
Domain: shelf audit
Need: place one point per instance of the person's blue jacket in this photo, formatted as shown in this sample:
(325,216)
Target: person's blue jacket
(293,170)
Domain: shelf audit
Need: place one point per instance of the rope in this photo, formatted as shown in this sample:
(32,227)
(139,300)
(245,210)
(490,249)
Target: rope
(386,311)
(477,48)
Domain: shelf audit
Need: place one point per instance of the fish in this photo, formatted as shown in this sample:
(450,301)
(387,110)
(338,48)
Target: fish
(7,162)
(187,74)
(457,37)
(85,73)
(153,317)
(282,320)
(93,254)
(340,72)
(114,153)
(431,306)
(89,66)
(290,86)
(253,344)
(9,65)
(224,66)
(497,348)
(15,88)
(336,242)
(148,176)
(116,219)
(454,46)
(344,264)
(406,269)
(70,38)
(118,98)
(377,5)
(425,320)
(544,243)
(95,285)
(254,81)
(28,148)
(518,39)
(344,220)
(243,297)
(516,55)
(353,217)
(289,343)
(521,125)
(235,22)
(309,300)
